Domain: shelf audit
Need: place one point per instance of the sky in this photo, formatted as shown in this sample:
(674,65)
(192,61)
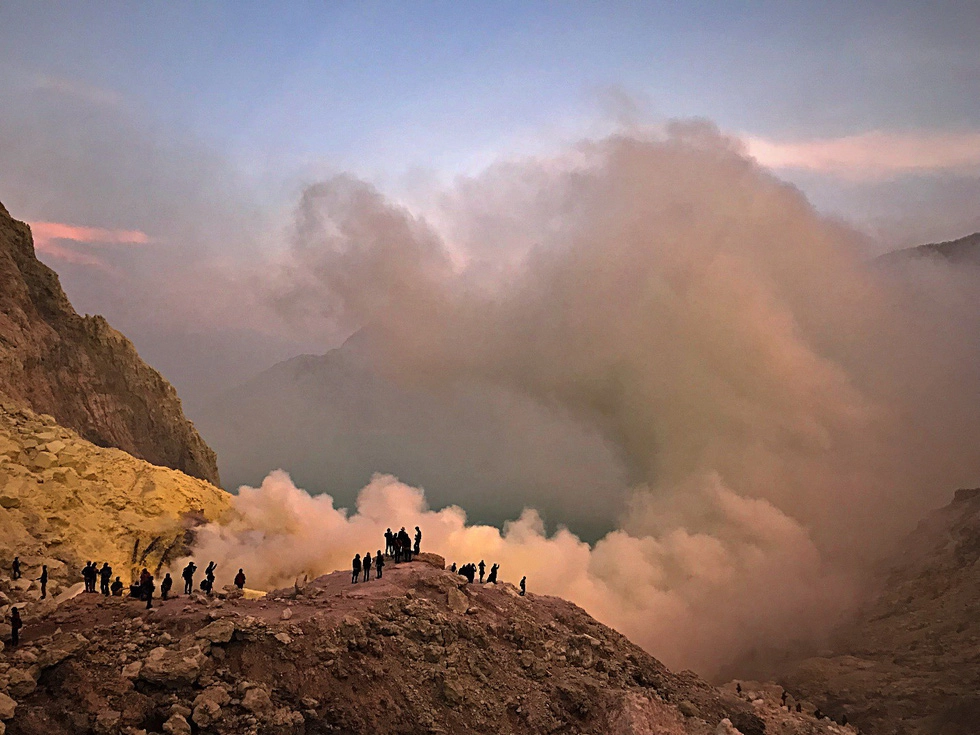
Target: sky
(160,150)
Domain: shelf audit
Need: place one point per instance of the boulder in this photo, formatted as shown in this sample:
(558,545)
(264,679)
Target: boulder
(206,712)
(7,707)
(177,725)
(20,683)
(173,668)
(457,601)
(220,631)
(257,700)
(725,727)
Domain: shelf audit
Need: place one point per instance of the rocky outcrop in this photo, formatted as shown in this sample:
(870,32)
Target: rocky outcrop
(82,371)
(910,662)
(389,656)
(65,501)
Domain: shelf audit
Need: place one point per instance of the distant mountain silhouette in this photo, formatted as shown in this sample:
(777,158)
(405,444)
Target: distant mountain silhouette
(965,250)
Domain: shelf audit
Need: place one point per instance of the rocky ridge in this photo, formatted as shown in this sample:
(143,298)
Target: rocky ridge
(64,501)
(419,651)
(82,371)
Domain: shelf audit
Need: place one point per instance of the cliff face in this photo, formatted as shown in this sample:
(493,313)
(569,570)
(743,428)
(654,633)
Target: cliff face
(910,663)
(82,371)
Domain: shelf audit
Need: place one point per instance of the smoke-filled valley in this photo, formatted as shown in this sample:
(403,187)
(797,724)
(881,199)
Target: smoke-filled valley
(650,334)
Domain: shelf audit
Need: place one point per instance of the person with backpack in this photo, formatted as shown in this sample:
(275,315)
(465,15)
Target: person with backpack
(240,579)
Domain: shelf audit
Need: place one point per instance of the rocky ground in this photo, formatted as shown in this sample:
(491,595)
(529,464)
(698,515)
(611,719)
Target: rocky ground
(64,501)
(910,663)
(419,651)
(82,371)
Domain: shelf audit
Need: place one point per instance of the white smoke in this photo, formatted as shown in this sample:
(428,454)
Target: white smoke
(788,410)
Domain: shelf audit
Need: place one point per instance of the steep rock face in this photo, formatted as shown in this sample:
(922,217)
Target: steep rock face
(83,372)
(65,501)
(396,655)
(910,663)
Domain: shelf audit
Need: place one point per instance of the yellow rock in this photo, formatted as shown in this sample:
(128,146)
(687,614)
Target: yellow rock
(72,502)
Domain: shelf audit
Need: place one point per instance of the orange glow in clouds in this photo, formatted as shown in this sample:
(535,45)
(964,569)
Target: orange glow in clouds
(47,233)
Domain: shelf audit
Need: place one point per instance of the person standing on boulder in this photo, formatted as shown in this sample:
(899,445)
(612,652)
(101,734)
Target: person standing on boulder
(188,575)
(492,577)
(240,579)
(15,568)
(105,576)
(379,563)
(209,575)
(367,567)
(146,590)
(43,579)
(389,543)
(15,625)
(355,569)
(418,540)
(165,586)
(482,569)
(523,586)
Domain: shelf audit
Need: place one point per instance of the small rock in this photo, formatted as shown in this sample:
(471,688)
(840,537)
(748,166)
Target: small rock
(286,614)
(177,725)
(257,700)
(725,727)
(687,708)
(220,631)
(7,707)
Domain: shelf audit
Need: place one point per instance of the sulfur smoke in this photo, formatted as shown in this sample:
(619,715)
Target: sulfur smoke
(787,410)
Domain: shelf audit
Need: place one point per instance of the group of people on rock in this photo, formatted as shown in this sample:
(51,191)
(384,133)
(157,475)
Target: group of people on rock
(92,573)
(817,713)
(398,546)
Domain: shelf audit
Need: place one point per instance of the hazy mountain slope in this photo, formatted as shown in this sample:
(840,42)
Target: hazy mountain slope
(910,663)
(83,372)
(417,652)
(333,420)
(965,250)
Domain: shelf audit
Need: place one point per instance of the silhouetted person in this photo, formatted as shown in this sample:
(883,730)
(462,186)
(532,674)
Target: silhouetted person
(209,575)
(15,625)
(240,579)
(43,579)
(117,588)
(389,543)
(799,707)
(453,568)
(355,568)
(367,567)
(418,539)
(144,576)
(406,544)
(15,568)
(165,586)
(146,589)
(379,563)
(843,719)
(87,577)
(738,688)
(470,572)
(784,698)
(188,575)
(492,577)
(483,568)
(105,576)
(818,714)
(523,586)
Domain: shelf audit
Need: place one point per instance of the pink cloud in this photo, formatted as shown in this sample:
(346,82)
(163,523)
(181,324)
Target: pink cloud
(50,237)
(871,155)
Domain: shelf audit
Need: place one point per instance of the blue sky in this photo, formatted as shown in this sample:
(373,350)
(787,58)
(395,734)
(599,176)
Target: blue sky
(383,86)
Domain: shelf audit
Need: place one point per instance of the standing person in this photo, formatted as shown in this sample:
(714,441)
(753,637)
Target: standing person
(523,586)
(379,562)
(396,546)
(453,568)
(188,575)
(483,568)
(209,575)
(240,579)
(117,588)
(367,567)
(418,539)
(165,586)
(15,568)
(355,568)
(492,578)
(144,576)
(86,571)
(43,579)
(92,573)
(15,625)
(406,543)
(389,543)
(146,590)
(105,576)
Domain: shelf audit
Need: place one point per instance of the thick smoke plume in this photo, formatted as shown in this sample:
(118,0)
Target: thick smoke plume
(787,410)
